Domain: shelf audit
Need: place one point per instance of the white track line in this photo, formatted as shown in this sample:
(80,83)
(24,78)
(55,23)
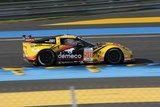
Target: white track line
(11,39)
(93,37)
(140,36)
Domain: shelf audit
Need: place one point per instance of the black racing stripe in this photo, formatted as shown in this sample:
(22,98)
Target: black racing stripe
(99,48)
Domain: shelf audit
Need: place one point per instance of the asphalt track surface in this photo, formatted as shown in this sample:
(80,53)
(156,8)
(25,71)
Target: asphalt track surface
(154,104)
(145,49)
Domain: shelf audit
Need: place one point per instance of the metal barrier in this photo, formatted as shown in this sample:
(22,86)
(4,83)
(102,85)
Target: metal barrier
(58,8)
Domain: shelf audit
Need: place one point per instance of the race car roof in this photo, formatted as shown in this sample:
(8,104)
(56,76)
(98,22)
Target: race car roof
(66,36)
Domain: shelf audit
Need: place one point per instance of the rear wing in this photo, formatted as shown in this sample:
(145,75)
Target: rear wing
(28,38)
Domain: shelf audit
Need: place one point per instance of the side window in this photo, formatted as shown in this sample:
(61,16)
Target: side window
(74,42)
(84,43)
(68,41)
(51,41)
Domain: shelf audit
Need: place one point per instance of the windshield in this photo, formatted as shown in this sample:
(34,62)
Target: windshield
(88,43)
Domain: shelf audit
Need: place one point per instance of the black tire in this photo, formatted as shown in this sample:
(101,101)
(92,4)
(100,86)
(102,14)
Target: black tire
(114,56)
(46,57)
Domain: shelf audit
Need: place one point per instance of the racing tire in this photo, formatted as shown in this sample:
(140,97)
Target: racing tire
(114,56)
(46,58)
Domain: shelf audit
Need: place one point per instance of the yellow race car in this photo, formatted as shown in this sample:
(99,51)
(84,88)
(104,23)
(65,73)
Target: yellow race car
(68,49)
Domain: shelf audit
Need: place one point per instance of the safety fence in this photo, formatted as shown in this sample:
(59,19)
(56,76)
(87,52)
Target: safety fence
(61,8)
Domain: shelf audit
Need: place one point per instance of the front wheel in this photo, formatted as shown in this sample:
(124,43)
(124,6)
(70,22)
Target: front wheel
(46,58)
(114,56)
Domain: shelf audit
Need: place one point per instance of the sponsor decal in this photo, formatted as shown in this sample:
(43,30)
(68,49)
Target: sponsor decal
(69,54)
(69,51)
(88,54)
(70,62)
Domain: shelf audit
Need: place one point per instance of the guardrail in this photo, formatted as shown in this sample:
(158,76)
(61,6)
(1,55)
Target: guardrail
(58,8)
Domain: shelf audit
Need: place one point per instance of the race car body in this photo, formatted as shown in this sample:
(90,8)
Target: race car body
(68,49)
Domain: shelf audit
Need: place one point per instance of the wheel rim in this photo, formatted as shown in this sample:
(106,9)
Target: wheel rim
(46,58)
(114,56)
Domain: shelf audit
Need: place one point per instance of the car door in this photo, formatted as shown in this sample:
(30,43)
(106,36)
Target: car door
(86,49)
(71,51)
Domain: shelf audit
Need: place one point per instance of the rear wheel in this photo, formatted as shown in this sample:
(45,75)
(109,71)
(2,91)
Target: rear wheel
(46,58)
(114,56)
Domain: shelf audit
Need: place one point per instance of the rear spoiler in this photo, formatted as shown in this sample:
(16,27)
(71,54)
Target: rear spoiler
(28,38)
